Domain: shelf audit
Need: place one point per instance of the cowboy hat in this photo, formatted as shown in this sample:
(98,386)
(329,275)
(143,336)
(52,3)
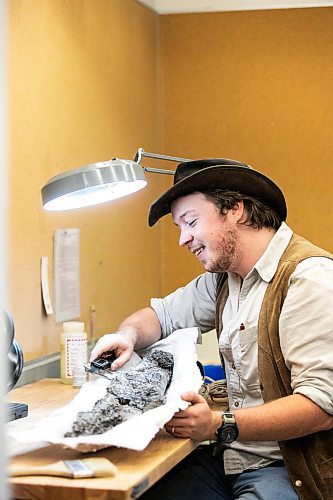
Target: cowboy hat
(219,173)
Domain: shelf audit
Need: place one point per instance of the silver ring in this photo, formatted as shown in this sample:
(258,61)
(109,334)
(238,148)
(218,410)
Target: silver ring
(172,430)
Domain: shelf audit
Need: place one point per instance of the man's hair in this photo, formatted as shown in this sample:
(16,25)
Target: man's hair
(258,214)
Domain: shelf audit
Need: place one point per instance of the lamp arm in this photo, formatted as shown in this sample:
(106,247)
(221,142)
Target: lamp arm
(140,153)
(158,171)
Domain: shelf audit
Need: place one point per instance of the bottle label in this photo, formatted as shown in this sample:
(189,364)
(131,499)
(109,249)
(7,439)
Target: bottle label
(75,354)
(79,376)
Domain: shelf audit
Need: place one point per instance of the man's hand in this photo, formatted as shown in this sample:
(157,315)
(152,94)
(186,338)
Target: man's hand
(122,345)
(138,331)
(197,422)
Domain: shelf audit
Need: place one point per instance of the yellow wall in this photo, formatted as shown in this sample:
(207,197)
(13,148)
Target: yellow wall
(83,88)
(258,87)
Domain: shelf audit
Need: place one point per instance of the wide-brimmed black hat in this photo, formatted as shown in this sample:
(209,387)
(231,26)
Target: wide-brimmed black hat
(219,173)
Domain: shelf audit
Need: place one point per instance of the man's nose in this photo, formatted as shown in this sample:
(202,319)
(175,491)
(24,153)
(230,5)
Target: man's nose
(185,237)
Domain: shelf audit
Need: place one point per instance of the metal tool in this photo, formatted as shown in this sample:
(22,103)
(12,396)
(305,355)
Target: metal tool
(101,364)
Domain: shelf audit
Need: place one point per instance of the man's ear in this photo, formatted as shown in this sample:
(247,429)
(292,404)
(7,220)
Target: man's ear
(238,210)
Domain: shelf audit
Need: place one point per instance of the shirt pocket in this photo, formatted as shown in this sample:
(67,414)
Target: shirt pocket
(248,360)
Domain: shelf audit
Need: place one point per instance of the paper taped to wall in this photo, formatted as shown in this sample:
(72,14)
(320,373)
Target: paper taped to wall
(45,285)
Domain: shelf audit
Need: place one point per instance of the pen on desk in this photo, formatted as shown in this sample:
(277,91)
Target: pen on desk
(242,327)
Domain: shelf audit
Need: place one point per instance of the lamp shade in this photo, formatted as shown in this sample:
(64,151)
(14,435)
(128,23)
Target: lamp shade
(93,184)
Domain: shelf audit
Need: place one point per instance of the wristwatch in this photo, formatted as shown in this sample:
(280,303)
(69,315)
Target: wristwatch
(227,433)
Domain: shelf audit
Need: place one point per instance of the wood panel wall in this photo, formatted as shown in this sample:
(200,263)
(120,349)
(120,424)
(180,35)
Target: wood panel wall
(82,88)
(255,86)
(94,79)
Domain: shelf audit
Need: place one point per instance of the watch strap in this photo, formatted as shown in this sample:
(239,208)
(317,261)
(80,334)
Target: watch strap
(219,446)
(229,419)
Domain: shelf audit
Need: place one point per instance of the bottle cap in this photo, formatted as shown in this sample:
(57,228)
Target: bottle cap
(73,327)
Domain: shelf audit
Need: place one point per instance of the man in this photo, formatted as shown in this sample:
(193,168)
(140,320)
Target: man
(269,293)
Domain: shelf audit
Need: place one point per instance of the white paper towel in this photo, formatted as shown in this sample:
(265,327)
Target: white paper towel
(137,432)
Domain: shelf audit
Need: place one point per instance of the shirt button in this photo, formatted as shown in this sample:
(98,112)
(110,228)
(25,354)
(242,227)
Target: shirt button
(233,366)
(298,483)
(236,404)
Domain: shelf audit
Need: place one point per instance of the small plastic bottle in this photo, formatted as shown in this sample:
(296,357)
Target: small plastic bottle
(74,351)
(79,375)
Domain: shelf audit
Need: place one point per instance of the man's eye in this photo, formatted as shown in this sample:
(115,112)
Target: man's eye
(192,223)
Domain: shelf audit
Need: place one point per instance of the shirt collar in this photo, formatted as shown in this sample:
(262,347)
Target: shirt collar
(267,264)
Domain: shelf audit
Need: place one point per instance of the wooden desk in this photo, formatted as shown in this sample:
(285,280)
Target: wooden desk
(137,471)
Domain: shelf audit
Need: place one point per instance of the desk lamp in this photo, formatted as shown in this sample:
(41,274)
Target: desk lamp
(100,182)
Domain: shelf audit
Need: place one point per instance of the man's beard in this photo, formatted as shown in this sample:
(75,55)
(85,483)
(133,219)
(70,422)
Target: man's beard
(227,253)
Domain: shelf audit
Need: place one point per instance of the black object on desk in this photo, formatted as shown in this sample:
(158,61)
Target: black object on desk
(16,411)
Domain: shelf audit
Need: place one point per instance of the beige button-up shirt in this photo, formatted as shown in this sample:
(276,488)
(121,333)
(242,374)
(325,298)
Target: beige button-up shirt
(306,319)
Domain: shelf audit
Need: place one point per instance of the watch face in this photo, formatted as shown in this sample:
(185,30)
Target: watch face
(229,433)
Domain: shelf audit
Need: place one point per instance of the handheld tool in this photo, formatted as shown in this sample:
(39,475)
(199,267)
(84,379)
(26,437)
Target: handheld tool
(101,364)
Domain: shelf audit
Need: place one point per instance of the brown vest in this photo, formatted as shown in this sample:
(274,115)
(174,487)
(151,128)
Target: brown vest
(308,460)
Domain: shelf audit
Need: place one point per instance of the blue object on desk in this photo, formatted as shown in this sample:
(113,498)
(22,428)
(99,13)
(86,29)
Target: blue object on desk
(214,372)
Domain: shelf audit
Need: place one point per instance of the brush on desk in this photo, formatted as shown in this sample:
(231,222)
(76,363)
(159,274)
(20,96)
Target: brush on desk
(75,469)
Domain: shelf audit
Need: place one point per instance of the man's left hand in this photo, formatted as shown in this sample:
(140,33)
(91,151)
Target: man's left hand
(197,422)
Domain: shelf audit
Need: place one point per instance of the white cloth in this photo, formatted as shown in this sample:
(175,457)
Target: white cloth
(137,432)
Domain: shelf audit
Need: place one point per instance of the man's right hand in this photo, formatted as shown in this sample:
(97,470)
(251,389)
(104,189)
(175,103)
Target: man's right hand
(140,330)
(120,343)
